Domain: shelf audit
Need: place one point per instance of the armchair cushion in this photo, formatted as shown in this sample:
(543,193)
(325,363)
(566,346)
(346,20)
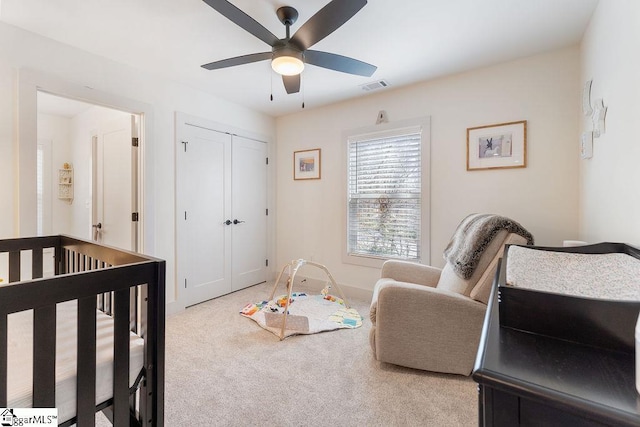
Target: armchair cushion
(422,327)
(411,272)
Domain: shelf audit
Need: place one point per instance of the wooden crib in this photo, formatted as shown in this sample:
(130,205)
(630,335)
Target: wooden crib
(102,288)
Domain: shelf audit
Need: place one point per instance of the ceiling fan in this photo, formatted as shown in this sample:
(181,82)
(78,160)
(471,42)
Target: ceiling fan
(288,55)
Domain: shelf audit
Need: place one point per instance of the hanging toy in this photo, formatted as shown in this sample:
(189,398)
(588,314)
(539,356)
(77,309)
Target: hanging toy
(325,290)
(272,306)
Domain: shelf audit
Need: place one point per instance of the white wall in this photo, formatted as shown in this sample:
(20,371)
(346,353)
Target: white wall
(21,50)
(609,195)
(57,214)
(7,153)
(543,90)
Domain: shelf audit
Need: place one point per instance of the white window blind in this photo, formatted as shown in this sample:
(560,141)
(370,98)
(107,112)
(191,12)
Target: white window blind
(384,195)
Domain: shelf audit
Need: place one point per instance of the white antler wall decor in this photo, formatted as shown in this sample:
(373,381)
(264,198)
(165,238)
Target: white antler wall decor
(598,114)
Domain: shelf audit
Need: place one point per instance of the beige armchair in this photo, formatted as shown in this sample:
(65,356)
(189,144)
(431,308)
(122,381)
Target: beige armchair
(429,318)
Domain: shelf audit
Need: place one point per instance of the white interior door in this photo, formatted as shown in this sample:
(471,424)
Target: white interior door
(115,178)
(203,187)
(249,204)
(221,212)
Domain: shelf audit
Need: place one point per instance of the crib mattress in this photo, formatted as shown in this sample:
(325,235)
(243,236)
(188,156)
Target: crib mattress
(20,359)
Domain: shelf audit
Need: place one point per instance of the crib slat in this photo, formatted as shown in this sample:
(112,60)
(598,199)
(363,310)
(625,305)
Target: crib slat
(121,358)
(133,313)
(14,266)
(44,357)
(86,391)
(3,361)
(58,260)
(36,263)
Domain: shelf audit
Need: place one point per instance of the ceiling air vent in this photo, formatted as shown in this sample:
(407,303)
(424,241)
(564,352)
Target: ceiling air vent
(380,84)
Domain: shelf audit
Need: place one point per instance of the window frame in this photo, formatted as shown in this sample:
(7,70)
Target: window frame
(422,124)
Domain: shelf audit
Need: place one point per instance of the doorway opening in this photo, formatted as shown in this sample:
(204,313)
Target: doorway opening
(88,171)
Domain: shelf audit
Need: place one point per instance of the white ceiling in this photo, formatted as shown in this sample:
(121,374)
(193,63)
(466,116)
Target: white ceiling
(51,104)
(409,40)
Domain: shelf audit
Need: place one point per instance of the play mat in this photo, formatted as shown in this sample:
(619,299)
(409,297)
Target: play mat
(308,314)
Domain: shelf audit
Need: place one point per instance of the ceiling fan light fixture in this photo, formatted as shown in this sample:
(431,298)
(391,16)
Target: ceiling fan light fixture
(287,62)
(289,55)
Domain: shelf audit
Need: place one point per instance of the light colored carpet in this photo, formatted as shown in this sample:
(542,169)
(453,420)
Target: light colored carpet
(222,369)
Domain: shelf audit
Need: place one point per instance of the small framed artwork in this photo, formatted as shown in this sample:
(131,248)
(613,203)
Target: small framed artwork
(500,146)
(306,164)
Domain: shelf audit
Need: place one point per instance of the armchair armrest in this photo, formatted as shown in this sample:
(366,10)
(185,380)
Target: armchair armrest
(411,272)
(427,328)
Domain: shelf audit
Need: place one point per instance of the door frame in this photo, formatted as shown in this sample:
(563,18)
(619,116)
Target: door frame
(30,82)
(182,119)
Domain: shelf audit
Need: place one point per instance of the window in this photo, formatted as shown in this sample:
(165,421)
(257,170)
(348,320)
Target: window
(385,197)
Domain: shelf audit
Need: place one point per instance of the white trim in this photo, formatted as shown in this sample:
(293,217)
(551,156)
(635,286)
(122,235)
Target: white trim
(188,119)
(29,83)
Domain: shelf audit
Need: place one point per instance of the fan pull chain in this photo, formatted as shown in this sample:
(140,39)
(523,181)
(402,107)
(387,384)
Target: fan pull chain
(302,91)
(271,81)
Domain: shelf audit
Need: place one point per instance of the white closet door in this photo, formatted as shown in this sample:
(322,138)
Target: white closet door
(249,205)
(204,184)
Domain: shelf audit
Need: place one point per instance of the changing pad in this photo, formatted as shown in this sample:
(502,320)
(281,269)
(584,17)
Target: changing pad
(613,276)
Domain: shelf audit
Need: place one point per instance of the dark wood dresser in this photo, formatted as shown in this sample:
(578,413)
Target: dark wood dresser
(528,379)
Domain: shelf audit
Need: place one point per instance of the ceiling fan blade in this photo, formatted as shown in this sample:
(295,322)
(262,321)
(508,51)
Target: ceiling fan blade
(341,63)
(238,60)
(243,20)
(326,21)
(291,83)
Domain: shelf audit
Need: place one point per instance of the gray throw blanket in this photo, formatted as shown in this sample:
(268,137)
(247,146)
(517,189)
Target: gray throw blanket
(473,235)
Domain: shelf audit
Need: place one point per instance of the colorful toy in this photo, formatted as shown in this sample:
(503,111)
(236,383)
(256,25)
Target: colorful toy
(272,306)
(250,309)
(282,302)
(325,290)
(291,269)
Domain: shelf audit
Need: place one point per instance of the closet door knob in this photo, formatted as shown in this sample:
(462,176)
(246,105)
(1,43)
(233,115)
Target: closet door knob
(228,222)
(235,221)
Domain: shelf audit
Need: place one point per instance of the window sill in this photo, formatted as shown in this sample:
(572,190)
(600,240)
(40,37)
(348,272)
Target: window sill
(367,261)
(363,261)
